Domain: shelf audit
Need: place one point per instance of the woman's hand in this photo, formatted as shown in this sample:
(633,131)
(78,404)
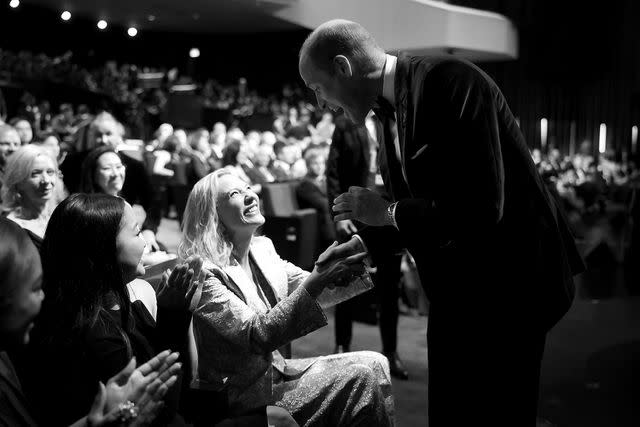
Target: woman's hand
(176,289)
(338,269)
(143,389)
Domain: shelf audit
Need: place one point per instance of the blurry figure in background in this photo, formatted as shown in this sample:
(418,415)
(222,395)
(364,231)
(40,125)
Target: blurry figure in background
(324,128)
(584,158)
(50,142)
(9,142)
(24,129)
(218,140)
(253,139)
(236,161)
(302,129)
(64,123)
(260,173)
(268,138)
(201,160)
(181,134)
(161,134)
(180,164)
(312,193)
(298,165)
(31,190)
(281,168)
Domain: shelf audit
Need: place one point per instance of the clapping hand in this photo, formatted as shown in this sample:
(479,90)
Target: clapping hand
(177,289)
(133,397)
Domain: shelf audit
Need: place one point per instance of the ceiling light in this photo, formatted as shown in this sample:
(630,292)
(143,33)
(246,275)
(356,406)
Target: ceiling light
(14,3)
(151,18)
(132,31)
(66,15)
(102,24)
(194,52)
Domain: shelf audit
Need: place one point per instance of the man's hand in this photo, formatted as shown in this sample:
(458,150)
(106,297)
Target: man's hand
(363,205)
(335,251)
(345,229)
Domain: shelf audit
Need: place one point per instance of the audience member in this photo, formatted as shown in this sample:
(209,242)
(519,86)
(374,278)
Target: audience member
(255,302)
(31,189)
(21,296)
(92,323)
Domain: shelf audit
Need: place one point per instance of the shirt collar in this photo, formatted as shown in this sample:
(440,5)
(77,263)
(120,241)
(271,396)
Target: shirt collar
(388,82)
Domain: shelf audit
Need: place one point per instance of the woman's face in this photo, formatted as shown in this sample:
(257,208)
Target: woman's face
(238,205)
(317,166)
(16,319)
(39,187)
(130,245)
(110,173)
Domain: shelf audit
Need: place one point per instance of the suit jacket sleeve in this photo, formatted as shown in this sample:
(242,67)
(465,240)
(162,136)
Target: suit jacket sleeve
(228,318)
(460,107)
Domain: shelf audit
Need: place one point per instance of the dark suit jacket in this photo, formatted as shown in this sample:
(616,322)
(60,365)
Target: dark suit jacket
(474,212)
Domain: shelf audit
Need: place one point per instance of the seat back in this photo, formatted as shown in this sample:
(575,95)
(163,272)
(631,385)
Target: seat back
(280,199)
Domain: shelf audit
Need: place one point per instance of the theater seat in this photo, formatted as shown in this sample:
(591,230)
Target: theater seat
(292,230)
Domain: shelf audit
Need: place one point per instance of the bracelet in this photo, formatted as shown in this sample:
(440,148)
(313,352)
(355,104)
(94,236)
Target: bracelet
(391,214)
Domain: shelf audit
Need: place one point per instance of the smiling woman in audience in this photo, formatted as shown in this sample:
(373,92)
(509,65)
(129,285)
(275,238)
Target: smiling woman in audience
(255,302)
(21,297)
(31,189)
(91,323)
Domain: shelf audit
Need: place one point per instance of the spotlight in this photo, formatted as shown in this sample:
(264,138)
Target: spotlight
(66,15)
(151,18)
(102,24)
(14,3)
(194,52)
(132,31)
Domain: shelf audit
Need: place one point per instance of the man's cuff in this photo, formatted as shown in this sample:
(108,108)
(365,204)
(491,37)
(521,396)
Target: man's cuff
(368,260)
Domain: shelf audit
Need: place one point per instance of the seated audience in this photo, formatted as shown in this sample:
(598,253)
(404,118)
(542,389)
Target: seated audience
(21,298)
(254,302)
(31,189)
(201,155)
(260,173)
(92,323)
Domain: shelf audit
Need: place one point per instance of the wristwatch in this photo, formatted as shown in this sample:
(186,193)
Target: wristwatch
(391,214)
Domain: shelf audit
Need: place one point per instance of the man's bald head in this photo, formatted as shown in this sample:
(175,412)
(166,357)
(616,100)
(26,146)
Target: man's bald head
(342,37)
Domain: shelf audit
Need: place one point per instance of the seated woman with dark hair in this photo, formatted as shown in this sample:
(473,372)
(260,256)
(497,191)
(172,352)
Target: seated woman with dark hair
(255,303)
(91,323)
(103,171)
(31,189)
(21,297)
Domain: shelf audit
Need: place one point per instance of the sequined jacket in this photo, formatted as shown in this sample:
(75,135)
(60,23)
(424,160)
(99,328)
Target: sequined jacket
(237,336)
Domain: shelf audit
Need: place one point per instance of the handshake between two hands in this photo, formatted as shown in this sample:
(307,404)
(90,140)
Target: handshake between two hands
(340,264)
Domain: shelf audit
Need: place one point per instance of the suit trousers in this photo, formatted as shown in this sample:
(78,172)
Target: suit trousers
(386,291)
(483,369)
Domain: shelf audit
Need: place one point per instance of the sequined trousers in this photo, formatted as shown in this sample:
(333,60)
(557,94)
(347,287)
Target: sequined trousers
(347,389)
